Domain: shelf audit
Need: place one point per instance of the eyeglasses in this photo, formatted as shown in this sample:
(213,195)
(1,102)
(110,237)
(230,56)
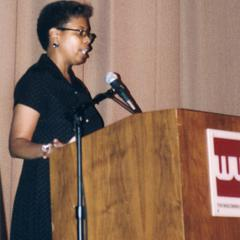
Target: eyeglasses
(82,32)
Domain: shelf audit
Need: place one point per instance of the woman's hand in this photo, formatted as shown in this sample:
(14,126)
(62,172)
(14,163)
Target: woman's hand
(47,148)
(57,144)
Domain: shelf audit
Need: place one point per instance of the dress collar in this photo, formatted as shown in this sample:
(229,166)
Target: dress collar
(51,67)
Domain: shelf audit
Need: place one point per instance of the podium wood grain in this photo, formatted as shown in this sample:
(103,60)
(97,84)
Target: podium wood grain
(199,224)
(145,178)
(132,186)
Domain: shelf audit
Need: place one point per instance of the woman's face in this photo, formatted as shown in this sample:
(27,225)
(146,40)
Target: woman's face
(74,41)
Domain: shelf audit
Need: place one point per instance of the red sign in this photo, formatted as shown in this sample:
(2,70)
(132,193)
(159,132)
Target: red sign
(227,181)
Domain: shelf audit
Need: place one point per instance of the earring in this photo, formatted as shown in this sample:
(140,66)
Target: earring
(55,45)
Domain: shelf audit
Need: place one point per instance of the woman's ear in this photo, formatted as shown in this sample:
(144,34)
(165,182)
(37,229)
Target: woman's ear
(54,37)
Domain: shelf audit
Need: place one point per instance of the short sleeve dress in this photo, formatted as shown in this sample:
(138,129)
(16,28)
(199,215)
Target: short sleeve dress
(44,89)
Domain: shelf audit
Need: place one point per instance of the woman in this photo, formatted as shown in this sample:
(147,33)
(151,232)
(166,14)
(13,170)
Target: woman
(45,100)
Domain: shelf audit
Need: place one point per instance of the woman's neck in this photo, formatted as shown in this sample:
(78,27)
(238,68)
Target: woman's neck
(61,65)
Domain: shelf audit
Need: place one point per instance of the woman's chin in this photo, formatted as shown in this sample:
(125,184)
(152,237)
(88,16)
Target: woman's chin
(81,60)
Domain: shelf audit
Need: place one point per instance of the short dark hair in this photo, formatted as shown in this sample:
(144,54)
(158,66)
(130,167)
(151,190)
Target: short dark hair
(58,13)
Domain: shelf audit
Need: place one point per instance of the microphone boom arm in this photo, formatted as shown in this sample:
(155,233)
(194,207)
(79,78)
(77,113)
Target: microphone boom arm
(123,104)
(111,94)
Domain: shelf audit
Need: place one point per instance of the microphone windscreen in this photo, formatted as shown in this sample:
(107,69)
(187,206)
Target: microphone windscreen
(110,77)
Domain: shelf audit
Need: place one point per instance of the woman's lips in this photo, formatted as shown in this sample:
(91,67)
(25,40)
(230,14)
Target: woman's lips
(85,51)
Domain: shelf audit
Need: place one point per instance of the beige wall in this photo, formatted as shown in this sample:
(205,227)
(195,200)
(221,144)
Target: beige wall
(7,63)
(170,53)
(210,55)
(139,40)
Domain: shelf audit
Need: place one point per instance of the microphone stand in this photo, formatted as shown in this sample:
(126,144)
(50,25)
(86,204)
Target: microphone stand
(111,94)
(122,104)
(79,119)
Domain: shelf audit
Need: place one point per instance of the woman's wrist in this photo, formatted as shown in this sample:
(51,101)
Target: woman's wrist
(46,150)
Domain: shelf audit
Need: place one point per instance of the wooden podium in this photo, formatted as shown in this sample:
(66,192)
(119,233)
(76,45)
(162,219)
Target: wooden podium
(145,178)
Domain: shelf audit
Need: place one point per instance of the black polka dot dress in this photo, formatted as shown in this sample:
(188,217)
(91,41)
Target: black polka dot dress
(44,89)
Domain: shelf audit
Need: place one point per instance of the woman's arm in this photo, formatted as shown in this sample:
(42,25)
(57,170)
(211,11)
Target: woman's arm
(23,126)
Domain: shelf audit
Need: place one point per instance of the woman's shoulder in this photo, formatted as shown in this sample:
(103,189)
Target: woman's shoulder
(36,70)
(30,80)
(36,74)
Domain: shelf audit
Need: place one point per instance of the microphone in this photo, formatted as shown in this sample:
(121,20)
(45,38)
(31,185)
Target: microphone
(119,88)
